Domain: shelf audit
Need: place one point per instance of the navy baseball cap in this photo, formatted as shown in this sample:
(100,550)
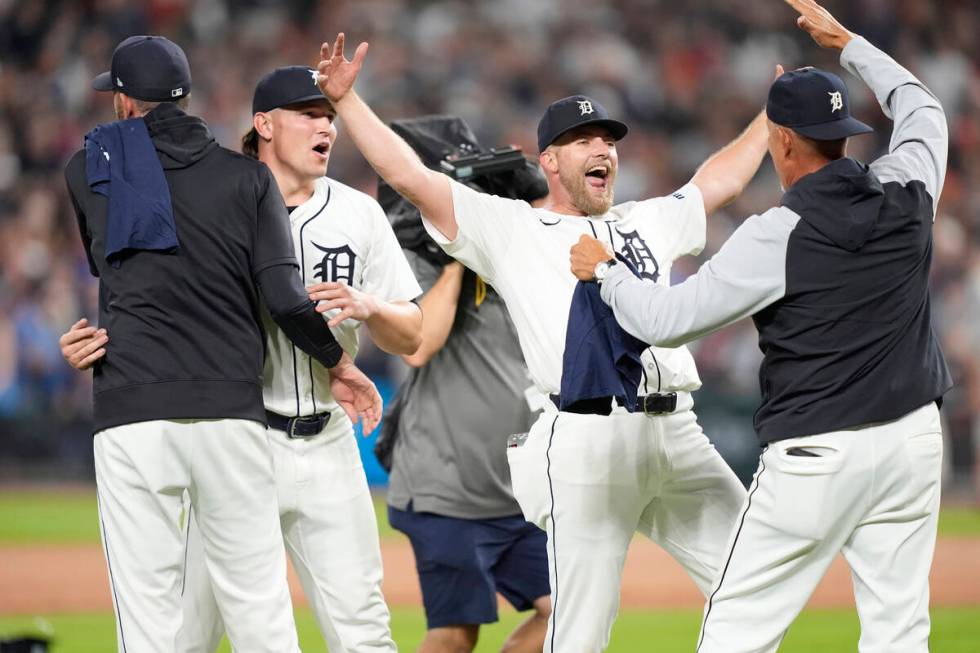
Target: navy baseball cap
(285,86)
(148,68)
(571,112)
(813,103)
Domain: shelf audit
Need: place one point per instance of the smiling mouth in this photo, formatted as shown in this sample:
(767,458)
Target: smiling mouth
(598,176)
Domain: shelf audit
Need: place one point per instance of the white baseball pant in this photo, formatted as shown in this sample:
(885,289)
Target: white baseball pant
(331,534)
(142,471)
(592,481)
(870,492)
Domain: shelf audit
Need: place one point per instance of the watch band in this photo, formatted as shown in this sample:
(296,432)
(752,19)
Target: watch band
(602,269)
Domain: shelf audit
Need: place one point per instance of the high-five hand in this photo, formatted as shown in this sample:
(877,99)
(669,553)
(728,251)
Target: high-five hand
(821,25)
(337,73)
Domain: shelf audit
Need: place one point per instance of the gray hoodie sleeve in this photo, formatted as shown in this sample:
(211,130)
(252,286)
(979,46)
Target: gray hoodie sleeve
(920,138)
(747,274)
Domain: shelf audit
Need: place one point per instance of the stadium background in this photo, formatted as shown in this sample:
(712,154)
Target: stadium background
(685,76)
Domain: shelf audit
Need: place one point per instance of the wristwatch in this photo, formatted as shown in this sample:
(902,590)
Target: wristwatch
(602,269)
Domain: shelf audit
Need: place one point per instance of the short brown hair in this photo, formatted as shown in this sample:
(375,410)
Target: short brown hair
(250,143)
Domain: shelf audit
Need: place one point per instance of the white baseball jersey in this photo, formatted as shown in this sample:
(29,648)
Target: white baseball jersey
(657,475)
(523,253)
(340,234)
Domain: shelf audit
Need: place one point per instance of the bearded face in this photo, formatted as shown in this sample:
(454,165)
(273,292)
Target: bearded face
(587,164)
(590,185)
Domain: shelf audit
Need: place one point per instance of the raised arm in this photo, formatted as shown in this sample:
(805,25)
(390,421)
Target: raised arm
(391,157)
(728,171)
(920,138)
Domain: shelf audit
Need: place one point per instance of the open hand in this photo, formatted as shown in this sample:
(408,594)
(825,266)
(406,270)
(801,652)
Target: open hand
(83,345)
(356,394)
(821,25)
(586,254)
(353,303)
(336,72)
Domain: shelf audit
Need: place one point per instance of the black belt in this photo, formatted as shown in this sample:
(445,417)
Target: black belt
(298,427)
(652,404)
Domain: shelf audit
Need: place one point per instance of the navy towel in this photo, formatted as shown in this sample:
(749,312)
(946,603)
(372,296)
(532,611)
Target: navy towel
(122,164)
(600,359)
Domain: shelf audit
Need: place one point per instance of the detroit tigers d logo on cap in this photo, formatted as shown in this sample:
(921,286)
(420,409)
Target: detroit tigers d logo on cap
(836,101)
(814,104)
(571,112)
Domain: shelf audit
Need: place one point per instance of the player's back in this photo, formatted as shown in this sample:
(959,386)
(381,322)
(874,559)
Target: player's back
(851,340)
(185,335)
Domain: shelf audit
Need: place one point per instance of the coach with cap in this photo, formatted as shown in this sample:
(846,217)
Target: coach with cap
(186,237)
(836,280)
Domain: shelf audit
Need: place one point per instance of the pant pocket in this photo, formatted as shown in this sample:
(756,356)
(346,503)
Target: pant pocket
(806,488)
(528,474)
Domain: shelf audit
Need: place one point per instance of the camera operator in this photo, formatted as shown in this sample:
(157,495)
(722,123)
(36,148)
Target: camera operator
(450,490)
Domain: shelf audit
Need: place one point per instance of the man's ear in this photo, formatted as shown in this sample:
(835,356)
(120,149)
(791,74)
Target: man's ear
(124,106)
(263,126)
(788,142)
(549,161)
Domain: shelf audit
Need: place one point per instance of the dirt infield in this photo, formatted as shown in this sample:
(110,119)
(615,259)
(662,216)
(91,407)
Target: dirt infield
(56,579)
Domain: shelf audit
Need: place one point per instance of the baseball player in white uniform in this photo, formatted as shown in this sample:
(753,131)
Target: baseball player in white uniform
(836,279)
(590,481)
(350,259)
(177,396)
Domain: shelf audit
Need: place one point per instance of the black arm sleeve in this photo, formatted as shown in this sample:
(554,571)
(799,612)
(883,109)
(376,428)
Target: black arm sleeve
(73,171)
(273,242)
(274,270)
(296,315)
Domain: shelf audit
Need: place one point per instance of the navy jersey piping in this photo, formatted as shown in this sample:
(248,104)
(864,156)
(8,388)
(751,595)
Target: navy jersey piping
(554,536)
(302,271)
(731,553)
(653,355)
(112,581)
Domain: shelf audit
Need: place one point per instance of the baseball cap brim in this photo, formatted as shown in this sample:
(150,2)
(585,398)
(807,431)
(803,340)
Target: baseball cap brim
(103,81)
(302,100)
(835,130)
(616,128)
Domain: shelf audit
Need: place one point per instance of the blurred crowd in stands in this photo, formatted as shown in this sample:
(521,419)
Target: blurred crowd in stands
(686,77)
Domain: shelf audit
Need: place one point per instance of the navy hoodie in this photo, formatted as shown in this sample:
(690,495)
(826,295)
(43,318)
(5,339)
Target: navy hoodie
(185,334)
(836,278)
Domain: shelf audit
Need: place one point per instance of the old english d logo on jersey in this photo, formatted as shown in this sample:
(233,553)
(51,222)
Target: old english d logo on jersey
(337,264)
(636,251)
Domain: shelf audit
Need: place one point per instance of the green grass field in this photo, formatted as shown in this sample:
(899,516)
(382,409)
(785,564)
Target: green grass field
(953,631)
(70,517)
(52,517)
